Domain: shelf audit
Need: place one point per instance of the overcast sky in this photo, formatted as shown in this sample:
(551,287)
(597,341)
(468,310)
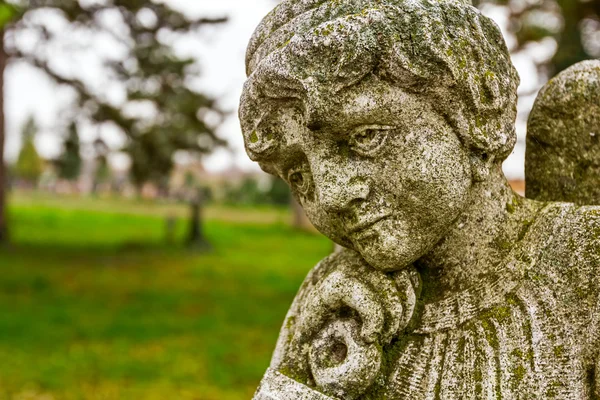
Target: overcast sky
(222,50)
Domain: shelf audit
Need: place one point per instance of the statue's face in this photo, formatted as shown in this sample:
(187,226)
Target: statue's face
(376,169)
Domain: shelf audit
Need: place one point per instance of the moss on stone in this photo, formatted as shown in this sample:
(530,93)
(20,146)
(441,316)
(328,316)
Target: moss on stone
(518,373)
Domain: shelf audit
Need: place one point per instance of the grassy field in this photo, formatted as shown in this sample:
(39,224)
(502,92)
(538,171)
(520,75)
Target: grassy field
(94,304)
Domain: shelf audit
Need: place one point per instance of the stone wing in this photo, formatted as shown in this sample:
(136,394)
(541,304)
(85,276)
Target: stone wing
(562,161)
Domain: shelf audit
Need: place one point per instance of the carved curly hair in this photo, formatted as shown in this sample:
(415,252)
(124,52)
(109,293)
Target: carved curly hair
(446,51)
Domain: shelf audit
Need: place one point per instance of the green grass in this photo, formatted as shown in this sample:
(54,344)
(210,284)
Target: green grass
(94,304)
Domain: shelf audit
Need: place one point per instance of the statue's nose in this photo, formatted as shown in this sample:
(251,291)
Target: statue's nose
(337,192)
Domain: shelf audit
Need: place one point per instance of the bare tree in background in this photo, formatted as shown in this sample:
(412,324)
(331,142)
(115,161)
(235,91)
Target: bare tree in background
(69,162)
(574,25)
(7,14)
(151,73)
(29,165)
(3,183)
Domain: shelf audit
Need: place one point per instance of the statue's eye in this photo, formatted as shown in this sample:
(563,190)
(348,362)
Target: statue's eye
(300,181)
(368,140)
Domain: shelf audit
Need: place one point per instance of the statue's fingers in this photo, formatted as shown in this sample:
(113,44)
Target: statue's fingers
(339,289)
(312,317)
(409,285)
(392,304)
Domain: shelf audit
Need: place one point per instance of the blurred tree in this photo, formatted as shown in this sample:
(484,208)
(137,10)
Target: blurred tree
(573,24)
(102,170)
(8,13)
(248,192)
(192,184)
(279,192)
(69,162)
(189,180)
(29,164)
(208,195)
(153,75)
(196,238)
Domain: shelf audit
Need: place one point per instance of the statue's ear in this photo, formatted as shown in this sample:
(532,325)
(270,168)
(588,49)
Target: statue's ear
(482,153)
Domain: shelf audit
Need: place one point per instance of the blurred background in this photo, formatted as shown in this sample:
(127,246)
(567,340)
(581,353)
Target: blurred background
(142,255)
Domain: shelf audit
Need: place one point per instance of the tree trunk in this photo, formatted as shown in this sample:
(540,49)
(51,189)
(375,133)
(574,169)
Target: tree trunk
(3,175)
(196,237)
(570,45)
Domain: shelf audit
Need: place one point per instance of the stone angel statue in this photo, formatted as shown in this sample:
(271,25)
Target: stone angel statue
(390,119)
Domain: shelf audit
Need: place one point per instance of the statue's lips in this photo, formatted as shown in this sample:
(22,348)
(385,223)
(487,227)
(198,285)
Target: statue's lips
(361,229)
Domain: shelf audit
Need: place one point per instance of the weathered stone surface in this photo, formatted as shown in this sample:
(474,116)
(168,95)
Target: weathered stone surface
(276,386)
(563,141)
(390,119)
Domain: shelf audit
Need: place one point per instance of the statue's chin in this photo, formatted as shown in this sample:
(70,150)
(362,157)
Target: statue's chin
(389,247)
(387,261)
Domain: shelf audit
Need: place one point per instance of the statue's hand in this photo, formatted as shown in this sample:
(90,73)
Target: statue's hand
(346,312)
(383,302)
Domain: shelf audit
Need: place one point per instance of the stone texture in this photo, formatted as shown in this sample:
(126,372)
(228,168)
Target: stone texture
(390,120)
(563,142)
(276,386)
